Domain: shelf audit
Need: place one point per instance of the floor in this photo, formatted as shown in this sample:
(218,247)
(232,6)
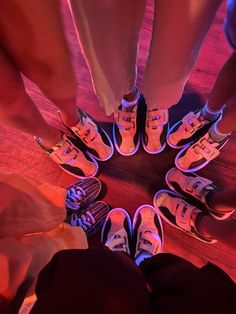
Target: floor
(132,181)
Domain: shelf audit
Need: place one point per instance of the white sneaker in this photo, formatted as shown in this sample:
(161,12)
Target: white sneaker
(147,232)
(187,130)
(198,155)
(117,231)
(70,158)
(95,140)
(196,187)
(179,213)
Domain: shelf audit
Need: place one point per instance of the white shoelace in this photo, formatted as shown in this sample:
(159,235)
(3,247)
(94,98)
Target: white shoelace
(85,221)
(74,196)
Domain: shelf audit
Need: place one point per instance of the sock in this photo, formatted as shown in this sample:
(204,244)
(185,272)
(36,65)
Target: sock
(128,104)
(215,133)
(210,114)
(141,257)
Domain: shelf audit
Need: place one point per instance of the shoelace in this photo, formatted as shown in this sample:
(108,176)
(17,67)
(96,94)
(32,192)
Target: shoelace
(85,221)
(74,195)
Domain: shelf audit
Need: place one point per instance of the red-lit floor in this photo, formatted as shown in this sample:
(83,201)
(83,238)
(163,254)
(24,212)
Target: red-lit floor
(133,181)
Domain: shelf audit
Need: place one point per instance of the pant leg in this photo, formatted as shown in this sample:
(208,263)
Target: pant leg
(91,281)
(178,31)
(29,207)
(108,33)
(180,287)
(32,34)
(38,211)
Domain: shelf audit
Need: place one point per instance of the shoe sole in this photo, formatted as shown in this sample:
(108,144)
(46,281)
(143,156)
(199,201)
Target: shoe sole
(198,167)
(111,145)
(169,222)
(117,146)
(108,217)
(158,216)
(151,152)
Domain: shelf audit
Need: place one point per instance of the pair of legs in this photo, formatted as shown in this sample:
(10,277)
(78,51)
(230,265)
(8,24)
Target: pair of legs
(216,121)
(111,53)
(194,204)
(35,45)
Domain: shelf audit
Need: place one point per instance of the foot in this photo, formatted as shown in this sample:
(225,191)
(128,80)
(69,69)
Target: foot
(96,141)
(156,128)
(125,131)
(148,233)
(90,219)
(117,231)
(199,154)
(196,187)
(82,193)
(187,130)
(179,214)
(70,158)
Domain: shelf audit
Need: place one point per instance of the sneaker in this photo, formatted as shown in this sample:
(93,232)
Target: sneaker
(94,139)
(90,219)
(156,128)
(199,154)
(82,193)
(117,231)
(70,158)
(126,135)
(147,232)
(196,187)
(188,130)
(179,214)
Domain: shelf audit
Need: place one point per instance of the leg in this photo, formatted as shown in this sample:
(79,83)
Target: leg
(224,87)
(175,281)
(179,213)
(24,211)
(40,52)
(228,122)
(222,231)
(179,29)
(17,109)
(112,279)
(110,47)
